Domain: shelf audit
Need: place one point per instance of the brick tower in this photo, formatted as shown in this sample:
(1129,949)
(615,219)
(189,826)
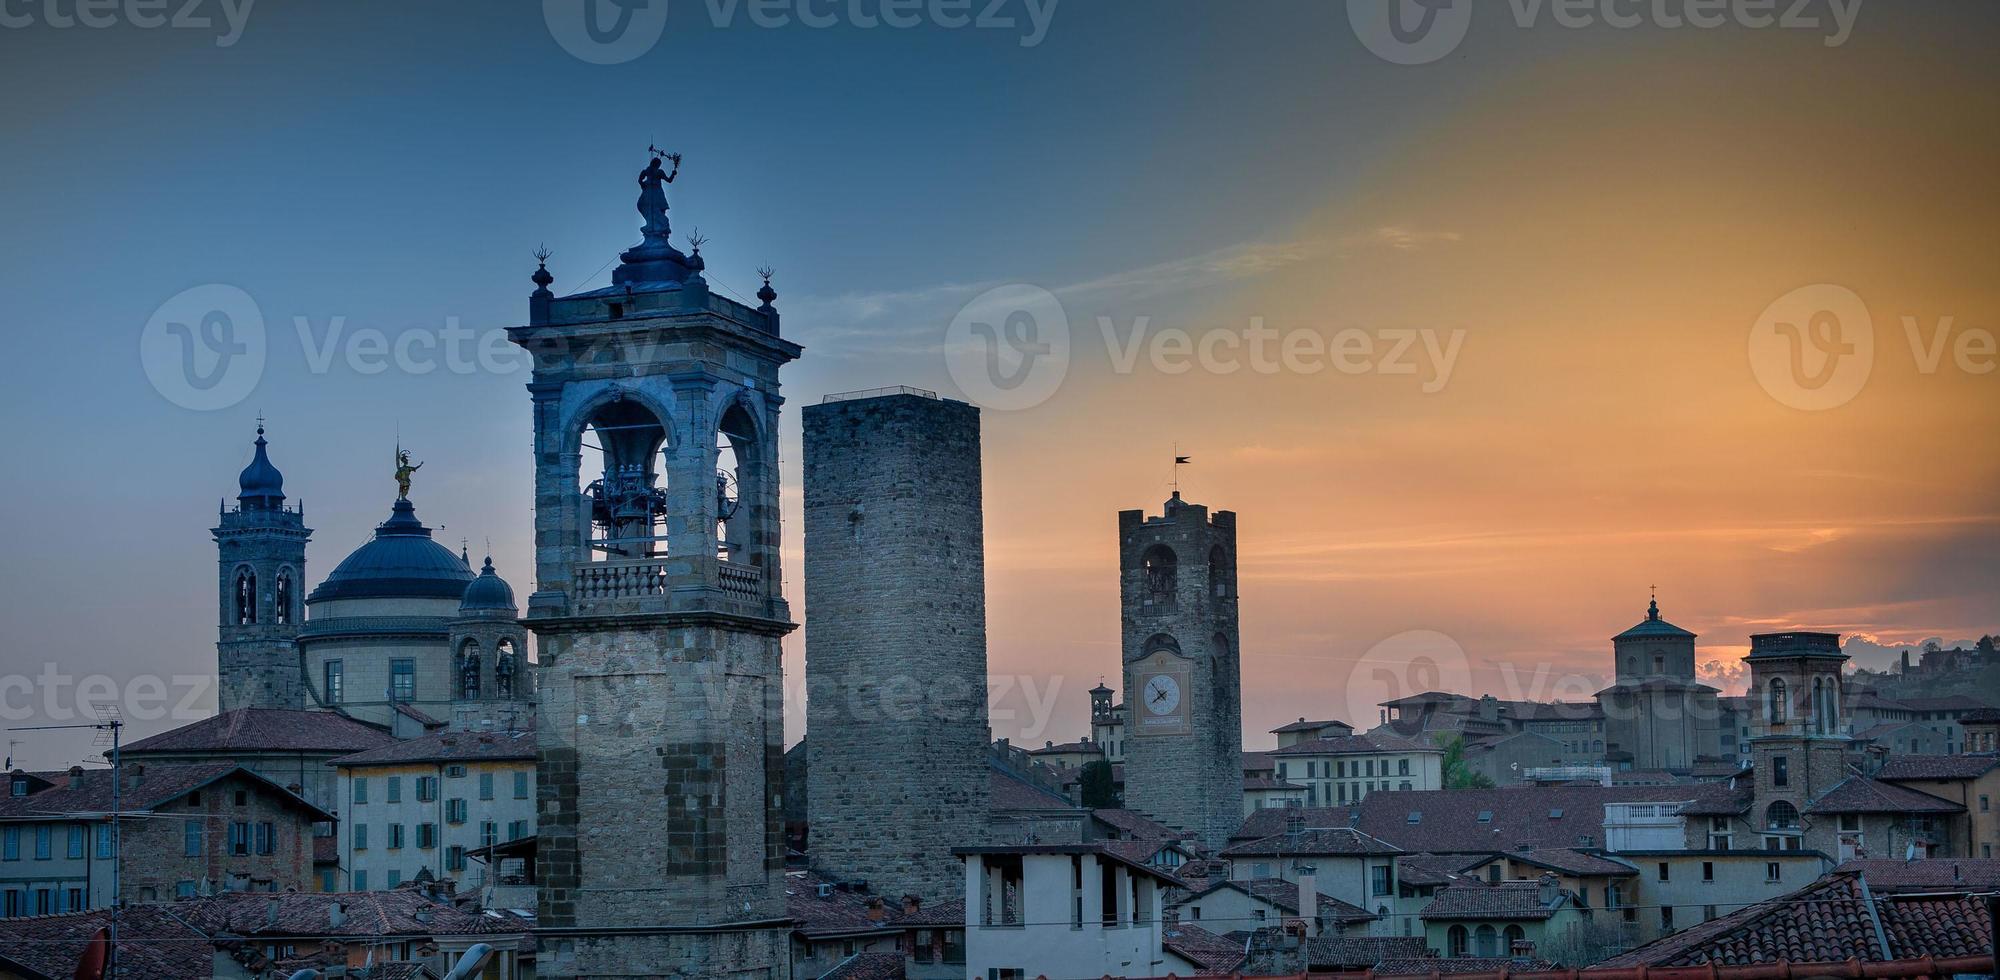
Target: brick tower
(1797,738)
(261,554)
(658,611)
(1183,698)
(896,726)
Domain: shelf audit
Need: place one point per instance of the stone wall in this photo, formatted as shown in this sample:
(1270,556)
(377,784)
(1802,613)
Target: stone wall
(257,664)
(155,854)
(1192,781)
(895,641)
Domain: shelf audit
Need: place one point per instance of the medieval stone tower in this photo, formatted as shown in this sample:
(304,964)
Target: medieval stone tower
(896,727)
(658,612)
(1798,741)
(261,551)
(1183,698)
(492,683)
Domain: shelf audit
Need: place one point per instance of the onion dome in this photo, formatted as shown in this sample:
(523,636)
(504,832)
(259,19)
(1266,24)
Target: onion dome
(488,591)
(261,482)
(401,562)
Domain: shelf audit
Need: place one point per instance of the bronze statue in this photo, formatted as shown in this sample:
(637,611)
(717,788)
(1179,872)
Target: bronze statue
(403,470)
(653,183)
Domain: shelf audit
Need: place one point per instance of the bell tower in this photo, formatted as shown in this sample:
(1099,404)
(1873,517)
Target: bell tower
(261,554)
(1183,699)
(1798,738)
(658,613)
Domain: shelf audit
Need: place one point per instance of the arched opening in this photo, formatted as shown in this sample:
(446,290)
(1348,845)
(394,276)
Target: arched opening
(468,670)
(1781,815)
(735,473)
(505,665)
(626,505)
(1158,642)
(1486,941)
(1218,572)
(1513,934)
(1455,942)
(246,597)
(1162,575)
(1775,707)
(282,610)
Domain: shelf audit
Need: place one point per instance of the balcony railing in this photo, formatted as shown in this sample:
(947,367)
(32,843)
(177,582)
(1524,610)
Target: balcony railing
(740,580)
(619,579)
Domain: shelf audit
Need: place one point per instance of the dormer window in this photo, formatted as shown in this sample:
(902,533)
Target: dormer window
(20,786)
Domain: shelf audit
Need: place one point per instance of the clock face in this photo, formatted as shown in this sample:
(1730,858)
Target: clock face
(1163,694)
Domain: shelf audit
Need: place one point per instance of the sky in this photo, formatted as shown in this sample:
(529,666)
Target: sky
(1480,349)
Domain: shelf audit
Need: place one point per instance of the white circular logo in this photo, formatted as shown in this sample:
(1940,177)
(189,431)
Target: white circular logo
(1410,32)
(1008,349)
(1411,662)
(204,348)
(606,32)
(1814,347)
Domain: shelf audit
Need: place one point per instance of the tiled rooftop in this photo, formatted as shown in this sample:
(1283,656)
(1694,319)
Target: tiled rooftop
(267,730)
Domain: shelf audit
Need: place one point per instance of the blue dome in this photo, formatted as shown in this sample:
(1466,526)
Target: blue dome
(260,480)
(402,562)
(488,591)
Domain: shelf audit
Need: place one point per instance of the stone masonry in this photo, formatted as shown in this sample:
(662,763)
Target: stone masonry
(659,611)
(261,555)
(895,641)
(1177,585)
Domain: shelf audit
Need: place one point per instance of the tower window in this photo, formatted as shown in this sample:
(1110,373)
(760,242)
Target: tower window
(246,597)
(402,679)
(1781,815)
(282,613)
(1775,707)
(335,673)
(1218,572)
(468,670)
(1161,575)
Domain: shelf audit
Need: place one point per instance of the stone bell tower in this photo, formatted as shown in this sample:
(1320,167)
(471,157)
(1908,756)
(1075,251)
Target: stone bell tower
(658,612)
(261,551)
(1183,700)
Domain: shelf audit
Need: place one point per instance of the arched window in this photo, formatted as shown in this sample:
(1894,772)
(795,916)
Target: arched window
(628,501)
(246,597)
(1455,944)
(1486,941)
(468,670)
(1781,815)
(1158,642)
(735,458)
(504,666)
(1775,707)
(1162,575)
(1218,572)
(283,604)
(1830,707)
(1513,934)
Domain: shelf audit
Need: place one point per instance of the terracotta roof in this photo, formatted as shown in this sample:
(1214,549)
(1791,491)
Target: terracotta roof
(1914,767)
(1359,952)
(1432,869)
(146,787)
(1208,952)
(844,911)
(1271,820)
(1139,851)
(1475,820)
(1950,702)
(1053,748)
(1284,896)
(447,747)
(1506,900)
(1258,762)
(1833,919)
(1135,825)
(153,944)
(1460,964)
(1724,799)
(1303,725)
(1357,745)
(267,730)
(1980,715)
(409,711)
(1886,875)
(1569,860)
(880,964)
(1010,792)
(397,912)
(1860,794)
(1269,783)
(1340,840)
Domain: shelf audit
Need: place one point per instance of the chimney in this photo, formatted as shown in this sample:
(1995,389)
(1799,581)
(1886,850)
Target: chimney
(1308,898)
(422,915)
(76,777)
(1549,887)
(876,913)
(912,904)
(271,909)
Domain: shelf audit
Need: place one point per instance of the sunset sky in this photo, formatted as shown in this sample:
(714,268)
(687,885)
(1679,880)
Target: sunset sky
(1592,219)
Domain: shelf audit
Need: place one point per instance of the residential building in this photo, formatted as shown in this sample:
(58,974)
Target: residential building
(264,935)
(1348,865)
(1233,904)
(839,927)
(1061,910)
(1483,920)
(184,831)
(419,806)
(1970,781)
(288,747)
(154,943)
(1302,730)
(1068,755)
(1346,768)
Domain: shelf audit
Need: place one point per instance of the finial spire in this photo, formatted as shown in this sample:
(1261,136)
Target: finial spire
(1653,608)
(767,294)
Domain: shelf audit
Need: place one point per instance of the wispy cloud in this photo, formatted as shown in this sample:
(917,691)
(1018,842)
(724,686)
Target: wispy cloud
(1403,238)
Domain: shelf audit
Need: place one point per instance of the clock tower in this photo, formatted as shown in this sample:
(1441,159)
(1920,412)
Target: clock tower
(1184,711)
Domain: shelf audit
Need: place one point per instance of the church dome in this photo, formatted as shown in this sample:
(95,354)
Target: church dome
(401,562)
(488,591)
(260,480)
(1654,626)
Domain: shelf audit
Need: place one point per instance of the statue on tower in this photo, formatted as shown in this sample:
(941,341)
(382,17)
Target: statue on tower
(653,183)
(403,470)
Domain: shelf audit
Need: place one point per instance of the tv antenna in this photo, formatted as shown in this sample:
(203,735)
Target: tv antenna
(110,725)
